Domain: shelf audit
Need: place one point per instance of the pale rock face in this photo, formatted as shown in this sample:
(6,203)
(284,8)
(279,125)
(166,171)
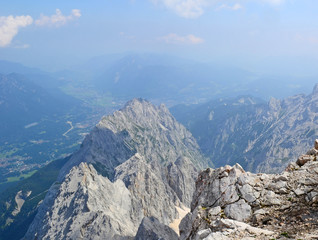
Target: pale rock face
(151,194)
(266,204)
(86,204)
(139,162)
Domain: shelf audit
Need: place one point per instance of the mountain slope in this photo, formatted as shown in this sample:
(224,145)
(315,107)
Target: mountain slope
(36,126)
(15,218)
(26,103)
(261,136)
(141,151)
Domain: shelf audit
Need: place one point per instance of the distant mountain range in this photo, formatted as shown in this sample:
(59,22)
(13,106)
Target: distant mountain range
(173,80)
(115,79)
(261,136)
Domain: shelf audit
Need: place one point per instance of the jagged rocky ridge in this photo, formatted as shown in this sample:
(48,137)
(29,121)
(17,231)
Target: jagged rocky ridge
(139,162)
(230,203)
(262,137)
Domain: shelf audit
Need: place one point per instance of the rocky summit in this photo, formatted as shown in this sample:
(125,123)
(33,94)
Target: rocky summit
(230,203)
(137,166)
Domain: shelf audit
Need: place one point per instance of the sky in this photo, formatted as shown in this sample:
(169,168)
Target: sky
(256,34)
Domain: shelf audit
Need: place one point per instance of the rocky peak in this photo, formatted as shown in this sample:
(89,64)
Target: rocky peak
(138,127)
(141,151)
(230,203)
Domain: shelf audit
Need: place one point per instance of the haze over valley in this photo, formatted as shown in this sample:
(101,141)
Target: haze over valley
(177,119)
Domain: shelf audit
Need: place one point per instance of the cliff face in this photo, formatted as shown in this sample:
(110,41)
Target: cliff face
(230,203)
(262,137)
(139,162)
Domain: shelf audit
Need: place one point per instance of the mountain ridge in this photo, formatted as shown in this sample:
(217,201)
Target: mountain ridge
(262,137)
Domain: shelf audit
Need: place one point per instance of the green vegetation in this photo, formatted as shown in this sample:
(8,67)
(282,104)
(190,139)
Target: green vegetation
(9,153)
(38,184)
(285,234)
(20,177)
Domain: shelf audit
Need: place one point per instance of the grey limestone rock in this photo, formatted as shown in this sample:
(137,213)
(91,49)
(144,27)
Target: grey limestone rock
(264,206)
(240,210)
(153,197)
(151,229)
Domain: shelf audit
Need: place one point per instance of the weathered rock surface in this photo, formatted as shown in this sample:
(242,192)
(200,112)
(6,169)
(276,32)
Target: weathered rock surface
(139,162)
(151,229)
(153,196)
(230,203)
(85,206)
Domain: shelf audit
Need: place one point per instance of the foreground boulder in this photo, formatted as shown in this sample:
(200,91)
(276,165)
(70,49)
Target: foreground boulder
(230,203)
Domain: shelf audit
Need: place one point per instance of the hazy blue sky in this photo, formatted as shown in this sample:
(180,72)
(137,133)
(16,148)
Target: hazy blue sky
(62,32)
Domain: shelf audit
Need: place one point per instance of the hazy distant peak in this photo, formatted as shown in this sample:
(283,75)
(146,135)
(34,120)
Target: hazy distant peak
(315,90)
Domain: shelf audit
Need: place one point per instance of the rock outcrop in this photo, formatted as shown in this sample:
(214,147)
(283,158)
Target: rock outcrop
(230,203)
(139,162)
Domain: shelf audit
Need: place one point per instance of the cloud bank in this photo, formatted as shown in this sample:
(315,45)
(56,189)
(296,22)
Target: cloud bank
(9,27)
(58,19)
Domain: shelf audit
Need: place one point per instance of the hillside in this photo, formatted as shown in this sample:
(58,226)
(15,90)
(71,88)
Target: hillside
(36,125)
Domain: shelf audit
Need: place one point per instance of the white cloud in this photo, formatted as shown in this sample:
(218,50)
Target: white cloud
(274,2)
(9,27)
(185,8)
(195,8)
(173,38)
(58,19)
(235,7)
